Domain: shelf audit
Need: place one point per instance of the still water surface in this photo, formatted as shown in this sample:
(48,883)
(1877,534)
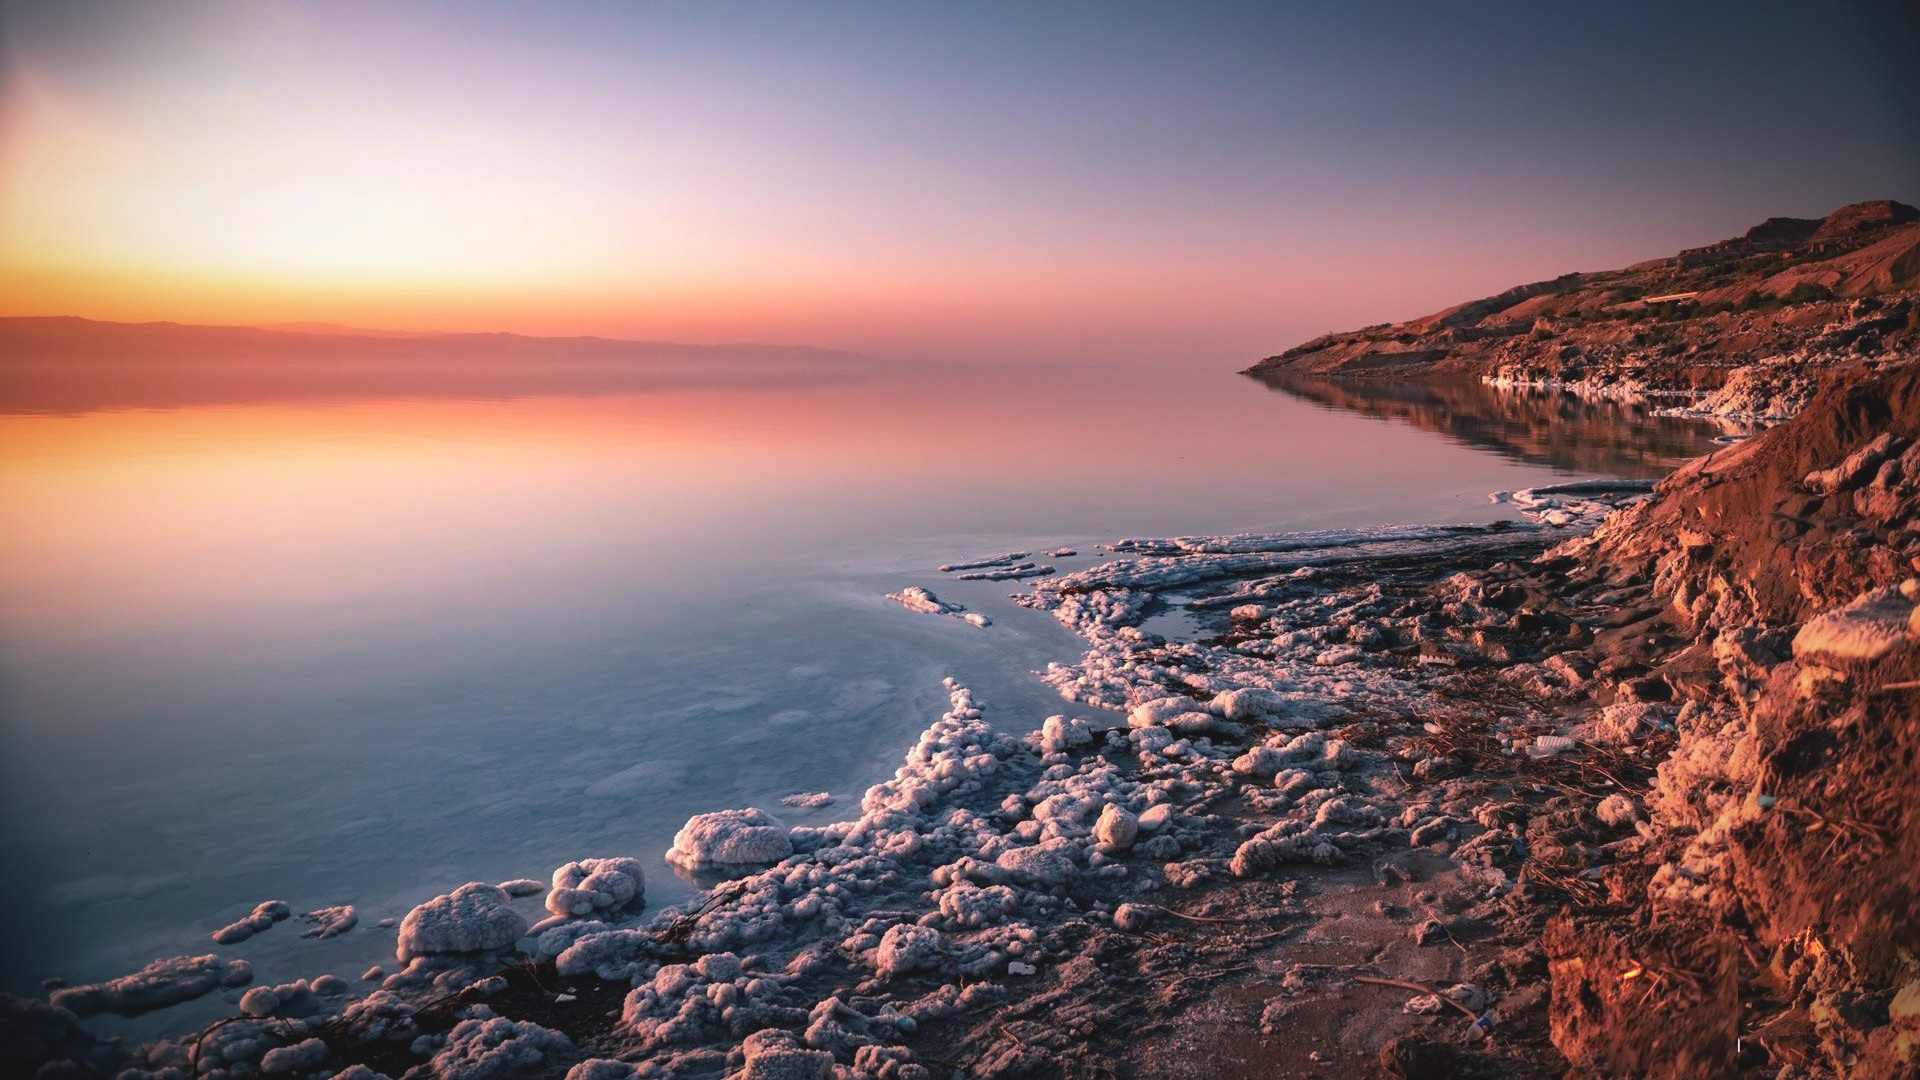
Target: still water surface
(358,645)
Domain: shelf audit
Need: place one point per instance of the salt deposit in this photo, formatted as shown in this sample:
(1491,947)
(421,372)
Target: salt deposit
(159,984)
(1008,559)
(596,885)
(1006,573)
(330,922)
(496,1049)
(730,839)
(920,599)
(263,916)
(1870,626)
(473,918)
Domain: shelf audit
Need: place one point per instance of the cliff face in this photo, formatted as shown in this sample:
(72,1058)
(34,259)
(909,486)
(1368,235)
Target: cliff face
(1826,291)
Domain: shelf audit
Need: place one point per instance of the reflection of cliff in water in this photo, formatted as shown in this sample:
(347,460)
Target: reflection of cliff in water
(1551,427)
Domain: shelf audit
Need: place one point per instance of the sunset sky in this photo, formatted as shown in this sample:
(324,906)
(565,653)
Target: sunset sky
(1154,182)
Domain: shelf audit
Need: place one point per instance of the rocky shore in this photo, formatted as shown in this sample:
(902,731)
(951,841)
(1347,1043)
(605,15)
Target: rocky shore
(1740,329)
(1626,787)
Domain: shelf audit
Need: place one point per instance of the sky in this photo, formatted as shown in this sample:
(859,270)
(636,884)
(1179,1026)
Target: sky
(1111,182)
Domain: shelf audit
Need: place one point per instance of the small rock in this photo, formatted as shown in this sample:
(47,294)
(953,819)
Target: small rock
(1417,1057)
(1869,627)
(1134,916)
(1618,810)
(1155,818)
(1271,1017)
(1117,827)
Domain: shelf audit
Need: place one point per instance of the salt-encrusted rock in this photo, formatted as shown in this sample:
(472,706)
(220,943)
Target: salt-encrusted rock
(380,1017)
(298,1059)
(1151,740)
(590,885)
(1157,817)
(1623,723)
(728,839)
(264,915)
(777,1055)
(1618,810)
(473,918)
(259,1001)
(1194,723)
(496,1049)
(1161,848)
(162,983)
(907,948)
(1043,866)
(1134,916)
(1311,750)
(1058,734)
(611,955)
(33,1030)
(1871,626)
(1248,703)
(1857,468)
(920,599)
(525,886)
(1117,827)
(1157,712)
(689,1003)
(968,905)
(601,1069)
(330,922)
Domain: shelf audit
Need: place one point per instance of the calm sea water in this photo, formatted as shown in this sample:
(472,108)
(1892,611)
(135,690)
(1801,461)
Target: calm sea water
(345,642)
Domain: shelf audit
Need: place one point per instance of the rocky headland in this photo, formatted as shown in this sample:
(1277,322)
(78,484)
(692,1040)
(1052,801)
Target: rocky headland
(1628,786)
(1736,329)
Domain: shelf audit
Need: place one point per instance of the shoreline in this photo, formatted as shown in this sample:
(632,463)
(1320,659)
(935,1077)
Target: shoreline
(1403,754)
(434,972)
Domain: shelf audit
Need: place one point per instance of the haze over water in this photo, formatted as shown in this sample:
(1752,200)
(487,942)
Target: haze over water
(347,647)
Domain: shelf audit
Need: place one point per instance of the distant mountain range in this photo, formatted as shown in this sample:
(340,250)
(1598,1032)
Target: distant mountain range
(44,338)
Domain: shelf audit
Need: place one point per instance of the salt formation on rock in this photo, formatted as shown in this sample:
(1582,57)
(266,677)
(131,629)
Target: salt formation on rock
(1006,573)
(295,1000)
(496,1049)
(989,563)
(263,916)
(330,922)
(922,600)
(159,984)
(473,918)
(730,839)
(519,887)
(596,885)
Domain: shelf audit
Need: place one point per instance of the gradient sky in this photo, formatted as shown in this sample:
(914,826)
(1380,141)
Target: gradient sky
(1084,182)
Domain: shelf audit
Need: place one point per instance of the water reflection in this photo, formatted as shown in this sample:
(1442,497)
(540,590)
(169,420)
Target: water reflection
(339,641)
(1545,427)
(63,366)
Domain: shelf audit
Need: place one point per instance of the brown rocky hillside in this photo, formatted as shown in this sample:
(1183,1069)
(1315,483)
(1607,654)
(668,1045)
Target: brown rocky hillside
(1820,291)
